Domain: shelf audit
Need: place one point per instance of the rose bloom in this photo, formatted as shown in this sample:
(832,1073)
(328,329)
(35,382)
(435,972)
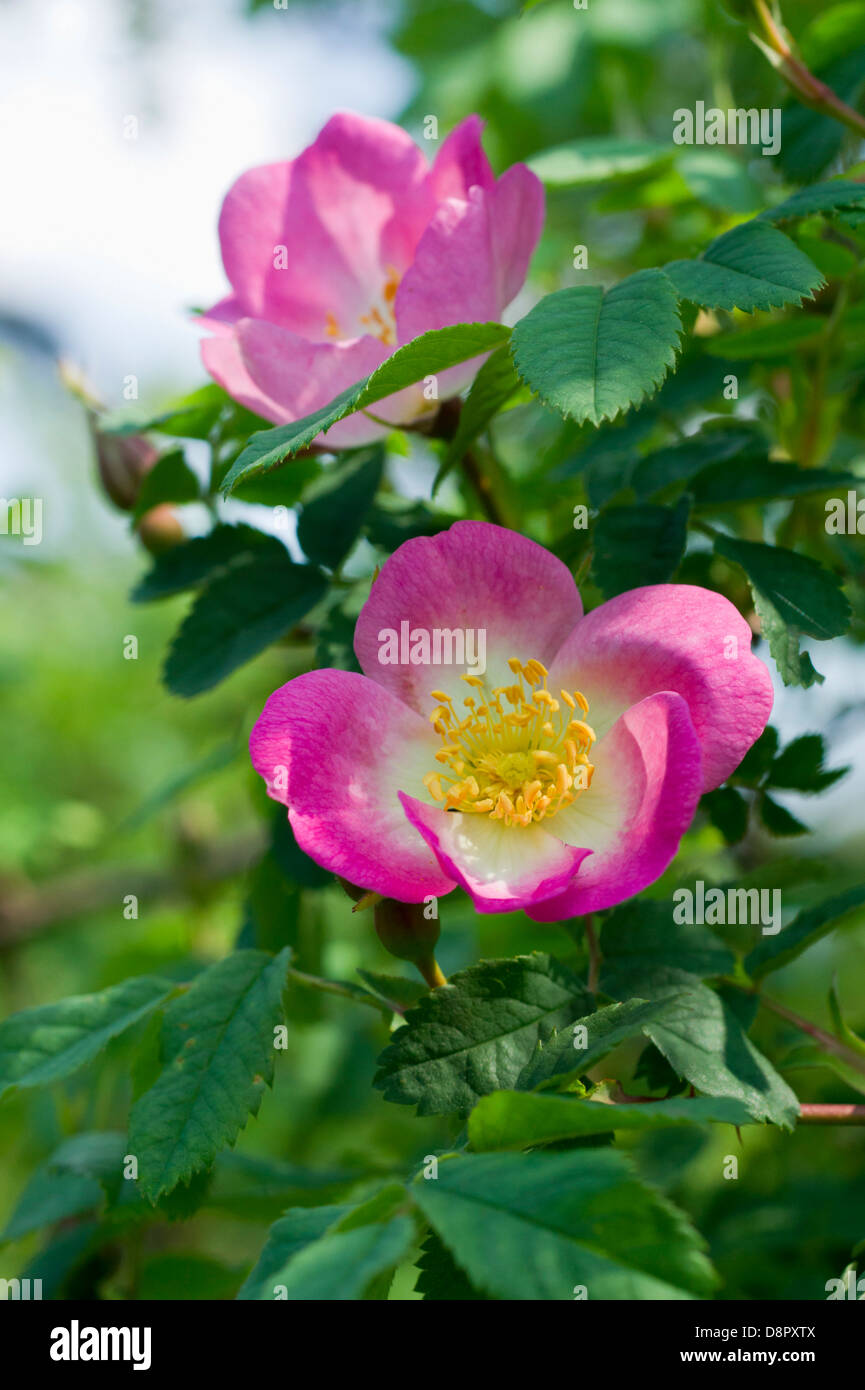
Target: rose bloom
(559,781)
(356,247)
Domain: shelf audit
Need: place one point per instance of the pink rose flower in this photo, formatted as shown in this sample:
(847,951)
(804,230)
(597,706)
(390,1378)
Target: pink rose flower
(356,247)
(561,779)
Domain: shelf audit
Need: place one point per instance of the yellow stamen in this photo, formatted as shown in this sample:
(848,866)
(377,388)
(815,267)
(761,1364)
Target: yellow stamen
(517,766)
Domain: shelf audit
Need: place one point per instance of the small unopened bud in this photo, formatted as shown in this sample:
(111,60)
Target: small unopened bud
(405,932)
(122,460)
(160,529)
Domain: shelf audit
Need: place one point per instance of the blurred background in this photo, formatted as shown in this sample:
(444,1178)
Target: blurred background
(122,125)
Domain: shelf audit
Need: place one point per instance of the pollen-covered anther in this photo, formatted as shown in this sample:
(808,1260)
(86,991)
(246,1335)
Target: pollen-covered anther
(517,765)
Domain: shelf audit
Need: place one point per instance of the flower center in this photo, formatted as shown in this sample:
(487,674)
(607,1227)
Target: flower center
(380,321)
(519,755)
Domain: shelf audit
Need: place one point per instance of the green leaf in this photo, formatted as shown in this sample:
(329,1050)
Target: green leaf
(256,1188)
(769,342)
(48,1043)
(811,1057)
(758,759)
(519,1119)
(727,809)
(197,562)
(809,926)
(591,354)
(218,1051)
(336,507)
(169,480)
(558,1061)
(427,355)
(800,766)
(702,1040)
(292,1233)
(536,1226)
(718,443)
(843,1031)
(475,1034)
(396,991)
(762,480)
(638,545)
(239,614)
(599,159)
(793,594)
(778,820)
(50,1197)
(440,1277)
(327,1262)
(492,388)
(641,938)
(752,267)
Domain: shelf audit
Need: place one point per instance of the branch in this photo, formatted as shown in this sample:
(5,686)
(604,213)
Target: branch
(24,912)
(832,1115)
(778,48)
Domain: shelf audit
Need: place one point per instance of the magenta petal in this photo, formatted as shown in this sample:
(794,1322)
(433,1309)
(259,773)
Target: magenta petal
(461,163)
(502,867)
(453,276)
(672,637)
(642,799)
(517,220)
(348,210)
(222,359)
(337,749)
(477,576)
(300,377)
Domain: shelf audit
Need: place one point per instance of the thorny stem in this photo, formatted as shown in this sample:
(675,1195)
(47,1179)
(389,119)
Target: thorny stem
(810,90)
(832,1115)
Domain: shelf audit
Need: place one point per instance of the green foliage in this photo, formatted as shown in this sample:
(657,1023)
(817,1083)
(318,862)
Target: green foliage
(218,1055)
(809,926)
(591,354)
(336,507)
(753,267)
(48,1043)
(238,614)
(514,1120)
(476,1034)
(638,545)
(794,596)
(534,1226)
(429,354)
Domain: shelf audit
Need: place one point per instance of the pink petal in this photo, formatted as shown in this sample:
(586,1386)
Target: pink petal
(337,749)
(300,376)
(222,359)
(642,799)
(477,576)
(502,867)
(349,209)
(453,276)
(461,163)
(517,220)
(672,637)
